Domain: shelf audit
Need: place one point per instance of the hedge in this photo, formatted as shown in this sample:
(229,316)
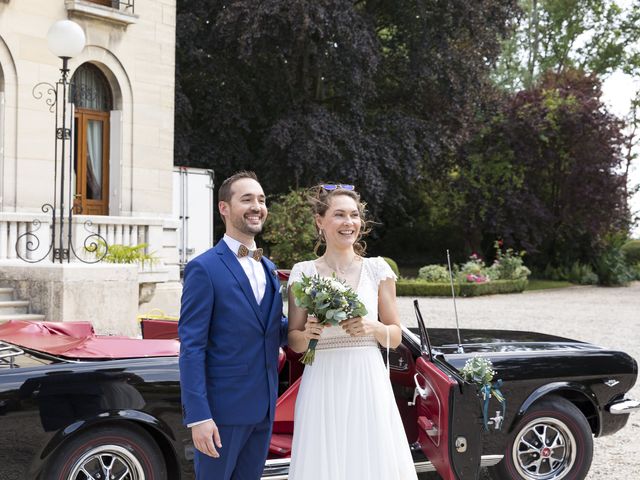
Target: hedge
(394,266)
(420,288)
(631,251)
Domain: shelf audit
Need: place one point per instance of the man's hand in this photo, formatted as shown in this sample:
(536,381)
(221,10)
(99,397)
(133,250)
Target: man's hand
(206,438)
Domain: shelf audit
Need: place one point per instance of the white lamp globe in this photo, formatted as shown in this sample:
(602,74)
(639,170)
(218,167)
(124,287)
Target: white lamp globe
(66,39)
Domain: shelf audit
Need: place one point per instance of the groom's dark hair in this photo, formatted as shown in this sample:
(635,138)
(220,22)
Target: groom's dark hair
(224,193)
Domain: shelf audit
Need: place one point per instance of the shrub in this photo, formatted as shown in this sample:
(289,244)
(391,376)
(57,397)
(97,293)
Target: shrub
(581,274)
(290,230)
(636,271)
(472,278)
(474,266)
(434,273)
(117,253)
(554,273)
(394,266)
(492,288)
(578,273)
(631,251)
(611,267)
(508,265)
(420,288)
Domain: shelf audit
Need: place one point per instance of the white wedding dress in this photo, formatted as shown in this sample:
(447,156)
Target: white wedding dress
(347,425)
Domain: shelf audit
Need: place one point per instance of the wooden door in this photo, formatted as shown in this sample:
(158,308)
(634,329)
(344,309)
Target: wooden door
(91,151)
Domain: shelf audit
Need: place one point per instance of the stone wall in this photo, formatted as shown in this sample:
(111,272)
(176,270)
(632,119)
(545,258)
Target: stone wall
(137,55)
(104,294)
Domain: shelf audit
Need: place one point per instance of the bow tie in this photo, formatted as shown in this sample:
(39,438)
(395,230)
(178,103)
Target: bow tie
(245,252)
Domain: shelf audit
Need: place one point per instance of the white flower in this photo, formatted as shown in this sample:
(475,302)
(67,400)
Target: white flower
(339,286)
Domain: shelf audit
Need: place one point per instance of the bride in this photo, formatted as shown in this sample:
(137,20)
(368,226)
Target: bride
(347,424)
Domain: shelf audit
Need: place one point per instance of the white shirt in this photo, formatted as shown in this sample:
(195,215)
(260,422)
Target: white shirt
(255,274)
(254,270)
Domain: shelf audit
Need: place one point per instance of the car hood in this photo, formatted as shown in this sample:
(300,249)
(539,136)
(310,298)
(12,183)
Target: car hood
(476,341)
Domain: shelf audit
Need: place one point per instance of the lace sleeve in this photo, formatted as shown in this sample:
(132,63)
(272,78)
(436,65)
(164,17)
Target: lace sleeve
(383,271)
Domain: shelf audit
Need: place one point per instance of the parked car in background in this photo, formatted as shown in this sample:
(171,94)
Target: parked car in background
(77,406)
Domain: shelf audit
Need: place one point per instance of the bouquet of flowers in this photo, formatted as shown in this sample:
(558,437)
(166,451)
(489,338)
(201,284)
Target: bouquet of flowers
(329,300)
(479,370)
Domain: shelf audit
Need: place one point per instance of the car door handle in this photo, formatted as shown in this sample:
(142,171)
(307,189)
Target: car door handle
(420,390)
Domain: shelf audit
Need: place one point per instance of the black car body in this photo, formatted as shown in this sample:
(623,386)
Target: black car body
(60,417)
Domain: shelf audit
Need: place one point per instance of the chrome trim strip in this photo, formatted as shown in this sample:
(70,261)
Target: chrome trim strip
(277,462)
(624,406)
(490,460)
(421,467)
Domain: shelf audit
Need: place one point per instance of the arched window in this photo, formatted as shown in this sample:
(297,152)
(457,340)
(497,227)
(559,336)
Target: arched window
(92,99)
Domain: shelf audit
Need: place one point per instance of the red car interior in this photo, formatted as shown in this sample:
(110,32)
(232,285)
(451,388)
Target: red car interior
(77,340)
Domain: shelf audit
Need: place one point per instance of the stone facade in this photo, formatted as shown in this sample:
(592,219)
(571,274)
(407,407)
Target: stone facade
(138,59)
(132,43)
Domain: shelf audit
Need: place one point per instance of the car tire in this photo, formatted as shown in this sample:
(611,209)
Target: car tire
(567,453)
(107,450)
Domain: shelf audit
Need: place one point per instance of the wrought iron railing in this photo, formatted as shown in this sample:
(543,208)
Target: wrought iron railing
(28,236)
(127,6)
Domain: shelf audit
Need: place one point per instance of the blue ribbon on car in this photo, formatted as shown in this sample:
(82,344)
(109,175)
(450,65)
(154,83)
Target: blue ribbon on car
(487,390)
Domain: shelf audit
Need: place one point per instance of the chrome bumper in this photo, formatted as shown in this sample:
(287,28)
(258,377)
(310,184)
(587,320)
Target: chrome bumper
(278,469)
(624,406)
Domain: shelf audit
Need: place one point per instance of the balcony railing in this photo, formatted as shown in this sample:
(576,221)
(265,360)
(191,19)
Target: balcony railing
(159,234)
(121,12)
(122,5)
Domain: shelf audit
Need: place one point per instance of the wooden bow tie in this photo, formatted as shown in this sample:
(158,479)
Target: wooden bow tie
(245,252)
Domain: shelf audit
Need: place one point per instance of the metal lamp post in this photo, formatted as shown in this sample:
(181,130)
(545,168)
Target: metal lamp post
(66,39)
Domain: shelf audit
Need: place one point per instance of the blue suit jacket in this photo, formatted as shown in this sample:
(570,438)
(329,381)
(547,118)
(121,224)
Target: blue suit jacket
(228,350)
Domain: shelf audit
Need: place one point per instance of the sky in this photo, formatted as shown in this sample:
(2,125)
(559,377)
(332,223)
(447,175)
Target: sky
(617,91)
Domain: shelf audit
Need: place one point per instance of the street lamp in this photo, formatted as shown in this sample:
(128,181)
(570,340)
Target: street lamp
(66,39)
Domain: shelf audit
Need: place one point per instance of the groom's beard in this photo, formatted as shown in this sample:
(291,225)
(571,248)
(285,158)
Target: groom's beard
(242,225)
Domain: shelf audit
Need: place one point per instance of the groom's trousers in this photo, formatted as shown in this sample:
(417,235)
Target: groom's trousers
(242,456)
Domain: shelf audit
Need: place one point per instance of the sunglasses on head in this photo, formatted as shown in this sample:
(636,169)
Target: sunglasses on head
(329,187)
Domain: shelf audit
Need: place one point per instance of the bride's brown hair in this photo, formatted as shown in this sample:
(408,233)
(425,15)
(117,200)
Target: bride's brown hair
(320,198)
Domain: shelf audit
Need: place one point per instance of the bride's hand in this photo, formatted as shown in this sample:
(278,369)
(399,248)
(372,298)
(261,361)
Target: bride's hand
(312,328)
(359,326)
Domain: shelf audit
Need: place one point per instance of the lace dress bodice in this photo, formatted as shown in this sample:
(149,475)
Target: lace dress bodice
(374,270)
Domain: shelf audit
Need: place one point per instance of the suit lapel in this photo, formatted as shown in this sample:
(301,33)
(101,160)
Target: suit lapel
(272,282)
(232,263)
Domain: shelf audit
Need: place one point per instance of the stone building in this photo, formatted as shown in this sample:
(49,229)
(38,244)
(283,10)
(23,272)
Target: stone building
(122,111)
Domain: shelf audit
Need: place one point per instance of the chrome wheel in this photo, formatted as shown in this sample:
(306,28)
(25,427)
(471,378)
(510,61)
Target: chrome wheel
(544,449)
(107,462)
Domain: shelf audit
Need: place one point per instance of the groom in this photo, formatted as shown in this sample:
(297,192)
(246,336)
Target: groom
(230,329)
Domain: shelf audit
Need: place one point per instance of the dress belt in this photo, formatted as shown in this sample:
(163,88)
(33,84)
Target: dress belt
(346,342)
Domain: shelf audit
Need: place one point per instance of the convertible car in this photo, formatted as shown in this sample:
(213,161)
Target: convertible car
(78,406)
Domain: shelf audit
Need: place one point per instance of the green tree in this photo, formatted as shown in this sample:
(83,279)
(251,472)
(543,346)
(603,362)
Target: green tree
(596,36)
(545,173)
(375,92)
(290,229)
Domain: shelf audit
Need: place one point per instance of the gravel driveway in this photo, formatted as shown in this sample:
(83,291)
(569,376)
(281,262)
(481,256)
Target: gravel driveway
(609,317)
